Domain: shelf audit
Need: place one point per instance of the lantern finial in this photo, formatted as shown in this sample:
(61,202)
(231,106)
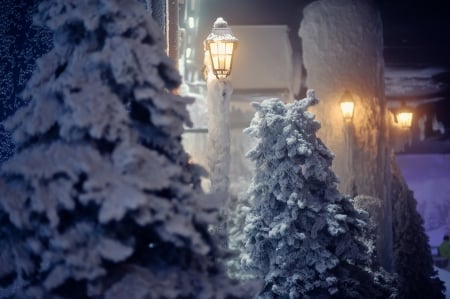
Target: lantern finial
(220,23)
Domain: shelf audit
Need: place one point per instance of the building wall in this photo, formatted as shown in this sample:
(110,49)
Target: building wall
(342,44)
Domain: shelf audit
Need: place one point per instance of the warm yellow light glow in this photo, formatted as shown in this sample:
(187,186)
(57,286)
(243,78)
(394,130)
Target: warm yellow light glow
(221,56)
(347,105)
(347,110)
(404,119)
(221,44)
(191,22)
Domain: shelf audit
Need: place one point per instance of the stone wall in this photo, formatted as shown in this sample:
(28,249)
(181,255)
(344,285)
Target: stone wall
(342,43)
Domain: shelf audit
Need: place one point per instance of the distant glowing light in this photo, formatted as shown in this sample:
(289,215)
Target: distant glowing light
(191,22)
(347,106)
(404,119)
(404,116)
(188,52)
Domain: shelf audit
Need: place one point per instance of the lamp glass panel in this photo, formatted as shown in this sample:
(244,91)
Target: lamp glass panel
(404,119)
(221,55)
(347,109)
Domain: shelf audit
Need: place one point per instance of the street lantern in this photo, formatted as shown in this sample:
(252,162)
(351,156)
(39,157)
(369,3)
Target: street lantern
(347,106)
(404,116)
(221,44)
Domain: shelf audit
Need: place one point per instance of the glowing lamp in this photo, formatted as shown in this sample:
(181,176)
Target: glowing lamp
(221,44)
(191,22)
(404,117)
(347,106)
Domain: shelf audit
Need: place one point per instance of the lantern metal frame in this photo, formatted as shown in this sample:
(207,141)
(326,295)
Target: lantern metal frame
(221,45)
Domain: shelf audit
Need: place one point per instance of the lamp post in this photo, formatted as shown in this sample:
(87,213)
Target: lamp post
(347,105)
(219,50)
(403,117)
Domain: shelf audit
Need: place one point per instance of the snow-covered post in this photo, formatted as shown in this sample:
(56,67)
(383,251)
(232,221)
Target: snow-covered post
(219,48)
(218,102)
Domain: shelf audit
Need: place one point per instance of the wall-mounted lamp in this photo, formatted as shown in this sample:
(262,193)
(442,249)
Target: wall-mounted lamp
(404,116)
(221,44)
(347,106)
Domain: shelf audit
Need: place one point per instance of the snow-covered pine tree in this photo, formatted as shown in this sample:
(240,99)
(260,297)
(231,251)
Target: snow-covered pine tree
(372,205)
(412,254)
(99,200)
(237,237)
(303,236)
(385,281)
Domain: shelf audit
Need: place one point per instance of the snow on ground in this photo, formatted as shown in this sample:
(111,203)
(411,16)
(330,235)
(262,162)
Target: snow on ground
(444,275)
(427,176)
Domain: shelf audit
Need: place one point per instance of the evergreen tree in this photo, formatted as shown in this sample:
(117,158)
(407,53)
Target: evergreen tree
(372,205)
(237,237)
(99,200)
(303,236)
(412,254)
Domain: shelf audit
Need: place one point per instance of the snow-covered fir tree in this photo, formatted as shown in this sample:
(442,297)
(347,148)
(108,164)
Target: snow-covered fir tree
(303,236)
(372,205)
(412,254)
(99,200)
(237,237)
(387,282)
